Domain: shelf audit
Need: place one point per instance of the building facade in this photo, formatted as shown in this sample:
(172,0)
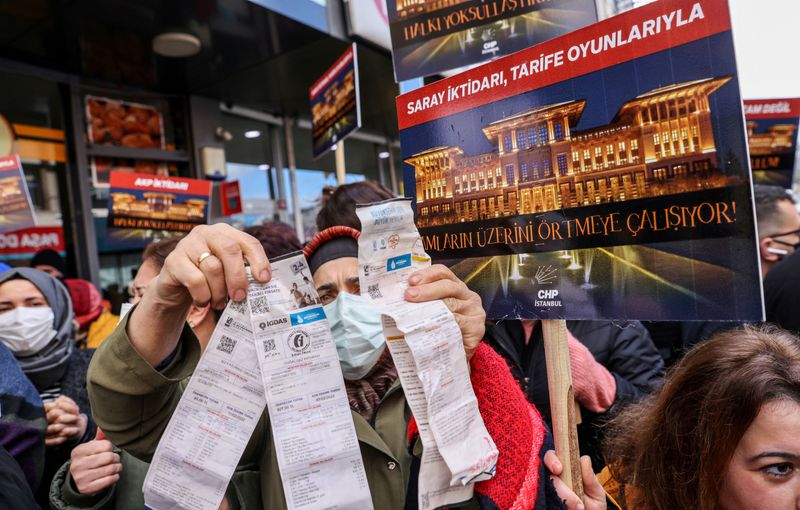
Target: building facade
(659,143)
(777,139)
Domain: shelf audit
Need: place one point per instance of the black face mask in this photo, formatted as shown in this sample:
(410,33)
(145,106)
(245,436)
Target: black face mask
(794,246)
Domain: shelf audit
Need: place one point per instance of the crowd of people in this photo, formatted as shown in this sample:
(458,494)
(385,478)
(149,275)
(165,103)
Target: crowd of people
(698,415)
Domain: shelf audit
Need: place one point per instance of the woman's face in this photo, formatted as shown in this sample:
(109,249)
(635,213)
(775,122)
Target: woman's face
(16,293)
(764,471)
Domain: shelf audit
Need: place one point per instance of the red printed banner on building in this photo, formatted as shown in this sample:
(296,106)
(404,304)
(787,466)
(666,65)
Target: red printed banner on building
(643,31)
(27,242)
(772,126)
(16,209)
(230,197)
(601,175)
(143,201)
(335,103)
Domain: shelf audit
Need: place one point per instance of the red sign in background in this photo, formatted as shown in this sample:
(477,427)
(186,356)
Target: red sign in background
(27,242)
(231,199)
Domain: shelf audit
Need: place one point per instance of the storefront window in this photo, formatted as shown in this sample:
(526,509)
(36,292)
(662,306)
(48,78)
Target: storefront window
(33,128)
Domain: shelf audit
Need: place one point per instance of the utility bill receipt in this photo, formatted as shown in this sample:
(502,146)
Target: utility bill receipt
(428,351)
(276,351)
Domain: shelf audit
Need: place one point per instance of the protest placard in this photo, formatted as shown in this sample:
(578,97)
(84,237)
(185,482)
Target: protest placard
(16,209)
(335,103)
(142,201)
(431,37)
(602,174)
(772,136)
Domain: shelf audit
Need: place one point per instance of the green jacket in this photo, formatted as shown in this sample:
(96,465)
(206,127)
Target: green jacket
(132,403)
(126,494)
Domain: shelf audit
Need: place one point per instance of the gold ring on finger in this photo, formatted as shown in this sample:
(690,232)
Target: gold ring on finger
(202,257)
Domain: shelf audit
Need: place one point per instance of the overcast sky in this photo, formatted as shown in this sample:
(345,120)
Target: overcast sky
(765,35)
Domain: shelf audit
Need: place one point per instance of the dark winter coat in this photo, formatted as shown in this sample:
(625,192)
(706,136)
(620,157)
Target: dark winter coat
(623,348)
(73,385)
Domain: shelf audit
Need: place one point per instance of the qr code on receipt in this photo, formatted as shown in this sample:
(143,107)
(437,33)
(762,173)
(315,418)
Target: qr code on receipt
(269,345)
(226,344)
(259,304)
(374,291)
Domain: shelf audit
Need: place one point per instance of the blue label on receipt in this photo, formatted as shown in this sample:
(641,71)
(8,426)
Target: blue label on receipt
(317,314)
(400,262)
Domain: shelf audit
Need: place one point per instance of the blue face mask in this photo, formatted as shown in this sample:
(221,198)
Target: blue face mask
(357,332)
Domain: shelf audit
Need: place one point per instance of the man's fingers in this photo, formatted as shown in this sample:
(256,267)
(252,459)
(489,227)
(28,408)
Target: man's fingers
(431,274)
(68,418)
(552,462)
(256,256)
(53,414)
(439,289)
(229,252)
(99,484)
(187,274)
(54,429)
(101,460)
(90,448)
(592,488)
(566,495)
(54,441)
(69,432)
(214,273)
(67,404)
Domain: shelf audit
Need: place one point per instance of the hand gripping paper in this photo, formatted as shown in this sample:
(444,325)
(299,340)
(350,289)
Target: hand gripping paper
(427,348)
(270,341)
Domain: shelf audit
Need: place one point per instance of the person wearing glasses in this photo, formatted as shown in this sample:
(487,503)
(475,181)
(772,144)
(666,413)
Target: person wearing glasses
(778,225)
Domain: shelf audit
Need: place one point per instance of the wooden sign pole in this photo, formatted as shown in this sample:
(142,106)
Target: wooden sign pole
(563,409)
(340,167)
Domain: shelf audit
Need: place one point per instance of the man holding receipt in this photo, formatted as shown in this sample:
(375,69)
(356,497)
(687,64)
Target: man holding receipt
(135,377)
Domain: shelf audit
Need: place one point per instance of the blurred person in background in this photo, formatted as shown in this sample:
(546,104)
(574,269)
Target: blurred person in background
(721,433)
(276,237)
(339,204)
(778,225)
(22,419)
(87,306)
(36,324)
(782,294)
(613,364)
(50,262)
(14,491)
(105,324)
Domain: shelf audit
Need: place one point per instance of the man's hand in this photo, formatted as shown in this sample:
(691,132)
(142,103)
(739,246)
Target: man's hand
(186,279)
(64,421)
(594,497)
(206,266)
(438,282)
(94,466)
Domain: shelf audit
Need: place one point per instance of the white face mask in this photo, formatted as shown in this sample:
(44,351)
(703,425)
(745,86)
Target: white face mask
(27,330)
(357,332)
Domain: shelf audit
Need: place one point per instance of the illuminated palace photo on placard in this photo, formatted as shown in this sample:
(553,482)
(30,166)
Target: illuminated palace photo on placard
(659,143)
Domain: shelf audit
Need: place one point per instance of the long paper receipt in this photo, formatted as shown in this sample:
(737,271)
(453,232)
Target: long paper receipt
(428,351)
(274,350)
